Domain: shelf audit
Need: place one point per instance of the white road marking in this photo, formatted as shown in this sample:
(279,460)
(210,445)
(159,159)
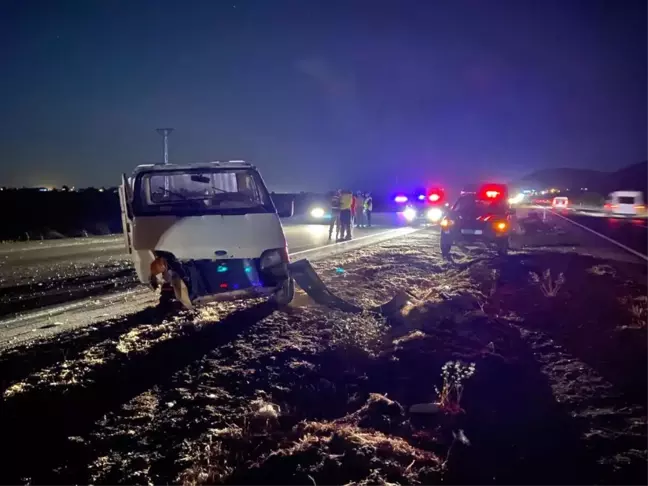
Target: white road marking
(607,238)
(340,243)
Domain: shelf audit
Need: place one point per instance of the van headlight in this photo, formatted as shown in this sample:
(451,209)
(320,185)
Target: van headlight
(434,214)
(273,258)
(409,214)
(317,213)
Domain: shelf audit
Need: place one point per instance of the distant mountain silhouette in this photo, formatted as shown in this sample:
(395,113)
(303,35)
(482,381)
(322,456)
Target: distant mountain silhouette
(631,178)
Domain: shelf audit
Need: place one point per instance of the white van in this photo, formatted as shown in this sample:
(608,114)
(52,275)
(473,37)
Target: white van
(206,232)
(625,203)
(560,202)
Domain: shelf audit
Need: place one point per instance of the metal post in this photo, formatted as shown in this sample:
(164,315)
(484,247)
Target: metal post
(165,147)
(165,153)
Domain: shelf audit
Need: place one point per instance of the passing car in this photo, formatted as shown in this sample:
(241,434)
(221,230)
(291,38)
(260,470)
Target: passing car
(625,203)
(483,216)
(205,232)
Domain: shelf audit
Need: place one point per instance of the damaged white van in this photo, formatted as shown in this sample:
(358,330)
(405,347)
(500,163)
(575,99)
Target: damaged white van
(206,232)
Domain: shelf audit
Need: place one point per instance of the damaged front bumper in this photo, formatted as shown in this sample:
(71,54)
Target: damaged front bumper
(201,281)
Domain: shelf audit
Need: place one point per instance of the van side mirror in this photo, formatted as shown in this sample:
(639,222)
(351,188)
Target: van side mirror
(287,209)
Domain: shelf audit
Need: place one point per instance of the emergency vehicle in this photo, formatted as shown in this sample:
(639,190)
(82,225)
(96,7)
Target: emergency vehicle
(423,206)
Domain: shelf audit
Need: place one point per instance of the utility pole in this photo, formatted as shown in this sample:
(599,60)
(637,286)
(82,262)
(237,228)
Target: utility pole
(165,134)
(165,151)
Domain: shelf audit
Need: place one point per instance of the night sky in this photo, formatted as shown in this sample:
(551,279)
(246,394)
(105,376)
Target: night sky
(318,94)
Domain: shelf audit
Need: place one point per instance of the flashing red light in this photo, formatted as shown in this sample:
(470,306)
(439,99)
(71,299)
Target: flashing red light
(223,286)
(492,192)
(434,197)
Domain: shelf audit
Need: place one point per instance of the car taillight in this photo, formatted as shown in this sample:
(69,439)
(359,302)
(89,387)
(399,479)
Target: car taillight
(500,225)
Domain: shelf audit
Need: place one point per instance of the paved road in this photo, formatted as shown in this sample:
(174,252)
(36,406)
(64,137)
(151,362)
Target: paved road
(632,233)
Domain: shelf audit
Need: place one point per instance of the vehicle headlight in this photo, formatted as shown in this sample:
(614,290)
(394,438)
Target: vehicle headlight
(317,213)
(409,213)
(434,214)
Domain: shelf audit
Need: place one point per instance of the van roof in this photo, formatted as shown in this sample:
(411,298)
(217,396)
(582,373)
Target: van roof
(626,193)
(217,164)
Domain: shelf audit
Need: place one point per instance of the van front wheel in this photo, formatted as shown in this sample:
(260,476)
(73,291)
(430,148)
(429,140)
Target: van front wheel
(285,294)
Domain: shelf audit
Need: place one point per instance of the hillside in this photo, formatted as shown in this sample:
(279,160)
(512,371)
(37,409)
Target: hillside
(633,177)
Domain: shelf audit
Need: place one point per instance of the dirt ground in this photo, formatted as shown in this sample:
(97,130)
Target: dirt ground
(551,347)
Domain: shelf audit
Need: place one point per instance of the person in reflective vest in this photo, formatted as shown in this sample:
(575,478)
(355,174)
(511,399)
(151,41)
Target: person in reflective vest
(368,208)
(335,215)
(346,202)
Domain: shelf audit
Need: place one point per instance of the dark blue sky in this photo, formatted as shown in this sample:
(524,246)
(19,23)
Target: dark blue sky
(321,93)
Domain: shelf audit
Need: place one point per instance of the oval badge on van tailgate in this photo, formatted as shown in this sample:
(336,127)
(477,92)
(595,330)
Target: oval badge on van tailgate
(220,253)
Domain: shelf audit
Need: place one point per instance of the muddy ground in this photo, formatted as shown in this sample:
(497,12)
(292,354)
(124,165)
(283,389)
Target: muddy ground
(244,394)
(28,287)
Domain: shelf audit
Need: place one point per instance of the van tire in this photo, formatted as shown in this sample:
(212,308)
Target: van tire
(167,296)
(285,294)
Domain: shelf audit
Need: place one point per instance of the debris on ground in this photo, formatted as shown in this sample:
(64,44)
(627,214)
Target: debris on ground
(548,387)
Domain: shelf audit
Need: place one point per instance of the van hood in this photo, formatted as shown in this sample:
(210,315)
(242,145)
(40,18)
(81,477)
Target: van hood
(199,237)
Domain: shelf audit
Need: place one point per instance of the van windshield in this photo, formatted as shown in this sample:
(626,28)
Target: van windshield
(221,191)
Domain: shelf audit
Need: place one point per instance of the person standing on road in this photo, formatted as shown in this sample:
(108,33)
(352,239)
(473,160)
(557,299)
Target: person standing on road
(359,210)
(368,208)
(353,210)
(335,216)
(346,201)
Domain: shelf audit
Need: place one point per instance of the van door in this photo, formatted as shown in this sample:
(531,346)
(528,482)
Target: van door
(125,201)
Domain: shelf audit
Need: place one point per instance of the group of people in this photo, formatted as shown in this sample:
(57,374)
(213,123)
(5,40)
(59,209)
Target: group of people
(349,210)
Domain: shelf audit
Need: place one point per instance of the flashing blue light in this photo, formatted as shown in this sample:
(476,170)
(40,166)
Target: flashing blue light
(248,269)
(421,197)
(400,199)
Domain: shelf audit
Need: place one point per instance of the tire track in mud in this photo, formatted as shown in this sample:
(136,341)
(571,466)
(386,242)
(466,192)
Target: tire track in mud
(613,428)
(52,416)
(25,297)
